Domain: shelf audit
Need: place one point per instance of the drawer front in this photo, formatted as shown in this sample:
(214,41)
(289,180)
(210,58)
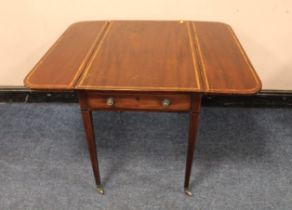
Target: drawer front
(139,102)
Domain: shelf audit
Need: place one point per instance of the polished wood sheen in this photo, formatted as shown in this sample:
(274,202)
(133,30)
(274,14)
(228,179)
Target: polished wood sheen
(62,65)
(224,65)
(177,56)
(143,56)
(138,102)
(145,66)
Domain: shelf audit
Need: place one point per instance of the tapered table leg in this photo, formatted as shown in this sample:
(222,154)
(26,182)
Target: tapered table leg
(88,125)
(193,126)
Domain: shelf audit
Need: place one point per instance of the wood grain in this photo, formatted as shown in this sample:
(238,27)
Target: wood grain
(143,56)
(62,65)
(178,102)
(141,63)
(147,56)
(224,65)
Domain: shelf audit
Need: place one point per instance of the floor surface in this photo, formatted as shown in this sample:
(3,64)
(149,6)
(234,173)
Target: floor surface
(243,159)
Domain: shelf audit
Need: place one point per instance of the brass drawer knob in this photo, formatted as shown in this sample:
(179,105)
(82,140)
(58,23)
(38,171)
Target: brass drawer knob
(110,101)
(166,102)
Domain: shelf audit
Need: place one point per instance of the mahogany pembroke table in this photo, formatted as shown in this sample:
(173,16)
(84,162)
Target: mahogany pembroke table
(145,66)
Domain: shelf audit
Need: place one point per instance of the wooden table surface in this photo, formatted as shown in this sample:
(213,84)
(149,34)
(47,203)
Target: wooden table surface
(145,66)
(165,56)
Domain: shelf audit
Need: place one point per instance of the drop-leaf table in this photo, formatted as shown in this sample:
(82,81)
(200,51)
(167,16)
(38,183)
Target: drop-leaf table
(145,66)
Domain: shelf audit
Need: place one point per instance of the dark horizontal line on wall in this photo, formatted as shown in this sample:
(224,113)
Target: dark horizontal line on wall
(27,96)
(262,99)
(259,100)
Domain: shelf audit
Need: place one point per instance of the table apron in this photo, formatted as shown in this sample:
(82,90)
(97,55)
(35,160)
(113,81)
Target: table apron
(91,100)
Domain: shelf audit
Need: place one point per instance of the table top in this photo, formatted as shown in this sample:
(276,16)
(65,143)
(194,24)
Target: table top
(164,56)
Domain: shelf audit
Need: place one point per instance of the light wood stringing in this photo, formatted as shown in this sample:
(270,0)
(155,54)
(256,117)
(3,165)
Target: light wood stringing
(147,56)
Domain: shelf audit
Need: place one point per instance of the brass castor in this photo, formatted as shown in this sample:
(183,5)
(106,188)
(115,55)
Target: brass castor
(99,189)
(188,192)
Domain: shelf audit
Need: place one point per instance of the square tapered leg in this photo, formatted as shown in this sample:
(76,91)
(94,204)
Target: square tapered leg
(193,127)
(88,126)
